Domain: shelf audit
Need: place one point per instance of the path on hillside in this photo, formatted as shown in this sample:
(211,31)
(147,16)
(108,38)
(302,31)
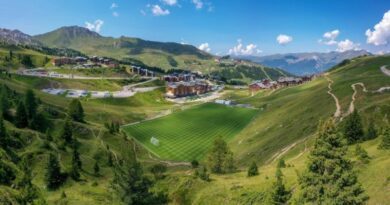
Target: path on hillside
(385,70)
(286,149)
(338,107)
(352,104)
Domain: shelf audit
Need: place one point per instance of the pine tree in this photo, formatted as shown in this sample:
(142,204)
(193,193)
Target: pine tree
(371,131)
(131,185)
(3,135)
(158,171)
(48,136)
(329,178)
(202,173)
(353,129)
(279,193)
(76,111)
(21,119)
(66,133)
(385,135)
(109,159)
(4,104)
(281,163)
(96,168)
(220,158)
(76,155)
(75,170)
(253,170)
(53,175)
(39,122)
(30,103)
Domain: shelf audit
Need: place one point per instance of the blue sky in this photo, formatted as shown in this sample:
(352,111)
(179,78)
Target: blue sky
(239,26)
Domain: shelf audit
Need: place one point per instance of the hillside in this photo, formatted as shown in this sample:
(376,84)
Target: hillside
(284,126)
(306,63)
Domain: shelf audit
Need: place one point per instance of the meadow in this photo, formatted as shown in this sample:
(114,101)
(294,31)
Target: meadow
(187,135)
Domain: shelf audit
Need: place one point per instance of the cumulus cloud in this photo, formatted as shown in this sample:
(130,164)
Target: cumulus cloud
(347,45)
(170,2)
(95,26)
(198,4)
(380,35)
(158,11)
(205,47)
(113,6)
(330,37)
(283,39)
(241,50)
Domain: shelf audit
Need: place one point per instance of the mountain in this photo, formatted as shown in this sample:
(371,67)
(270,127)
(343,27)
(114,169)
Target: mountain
(165,55)
(17,37)
(306,63)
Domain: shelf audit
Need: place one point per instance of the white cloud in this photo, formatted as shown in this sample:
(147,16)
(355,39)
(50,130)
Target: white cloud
(113,6)
(347,45)
(198,4)
(381,33)
(330,37)
(95,26)
(241,50)
(170,2)
(283,39)
(158,11)
(116,14)
(205,47)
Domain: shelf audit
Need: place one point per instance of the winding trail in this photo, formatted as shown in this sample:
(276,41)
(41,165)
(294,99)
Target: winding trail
(338,107)
(352,105)
(385,70)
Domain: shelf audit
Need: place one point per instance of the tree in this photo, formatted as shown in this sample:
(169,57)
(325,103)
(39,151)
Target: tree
(29,193)
(131,185)
(253,170)
(26,61)
(361,154)
(202,173)
(194,164)
(21,119)
(220,157)
(279,193)
(11,54)
(353,129)
(96,168)
(371,131)
(76,155)
(385,135)
(66,133)
(158,171)
(281,163)
(53,176)
(30,102)
(48,136)
(3,135)
(4,104)
(329,177)
(109,159)
(76,111)
(39,122)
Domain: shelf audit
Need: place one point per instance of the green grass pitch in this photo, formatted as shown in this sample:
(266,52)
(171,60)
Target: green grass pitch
(188,135)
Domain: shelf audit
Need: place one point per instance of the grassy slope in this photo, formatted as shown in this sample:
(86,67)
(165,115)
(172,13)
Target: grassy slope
(187,135)
(289,115)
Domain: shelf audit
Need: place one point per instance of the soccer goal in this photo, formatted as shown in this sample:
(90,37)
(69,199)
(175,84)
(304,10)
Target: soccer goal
(154,141)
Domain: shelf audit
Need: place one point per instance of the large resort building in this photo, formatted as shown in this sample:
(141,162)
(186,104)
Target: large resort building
(187,88)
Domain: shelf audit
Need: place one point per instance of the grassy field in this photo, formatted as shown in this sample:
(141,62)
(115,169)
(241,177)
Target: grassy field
(187,135)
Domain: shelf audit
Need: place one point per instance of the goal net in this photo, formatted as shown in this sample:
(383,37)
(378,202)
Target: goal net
(154,141)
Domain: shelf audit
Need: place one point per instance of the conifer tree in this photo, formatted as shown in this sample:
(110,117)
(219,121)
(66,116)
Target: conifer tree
(361,154)
(3,135)
(371,131)
(281,163)
(66,133)
(329,178)
(253,170)
(21,119)
(221,158)
(53,176)
(30,103)
(76,111)
(76,155)
(279,193)
(4,104)
(48,136)
(353,130)
(109,159)
(385,135)
(96,168)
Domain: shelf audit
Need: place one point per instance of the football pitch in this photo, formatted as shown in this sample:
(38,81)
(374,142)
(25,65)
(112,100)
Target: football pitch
(189,134)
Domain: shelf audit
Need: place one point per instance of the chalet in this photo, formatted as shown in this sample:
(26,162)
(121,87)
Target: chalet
(288,81)
(186,77)
(183,89)
(263,84)
(63,61)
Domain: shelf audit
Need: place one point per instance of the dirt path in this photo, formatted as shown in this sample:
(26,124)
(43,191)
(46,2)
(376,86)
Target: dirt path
(385,70)
(277,155)
(352,104)
(338,107)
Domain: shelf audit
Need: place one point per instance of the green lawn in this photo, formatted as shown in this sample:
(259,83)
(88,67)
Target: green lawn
(187,135)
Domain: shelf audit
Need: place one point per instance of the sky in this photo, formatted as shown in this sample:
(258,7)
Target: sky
(236,27)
